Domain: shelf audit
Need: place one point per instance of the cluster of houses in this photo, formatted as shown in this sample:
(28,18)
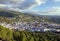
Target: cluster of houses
(33,26)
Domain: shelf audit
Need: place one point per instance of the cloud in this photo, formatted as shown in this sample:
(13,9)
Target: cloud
(3,6)
(26,5)
(51,11)
(8,4)
(21,4)
(11,1)
(56,0)
(31,3)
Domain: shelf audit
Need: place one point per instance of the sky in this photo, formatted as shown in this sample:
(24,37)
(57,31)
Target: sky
(40,7)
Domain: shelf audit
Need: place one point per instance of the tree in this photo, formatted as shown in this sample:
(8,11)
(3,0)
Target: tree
(32,39)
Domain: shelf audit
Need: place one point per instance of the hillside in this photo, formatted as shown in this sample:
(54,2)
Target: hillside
(7,34)
(11,35)
(12,16)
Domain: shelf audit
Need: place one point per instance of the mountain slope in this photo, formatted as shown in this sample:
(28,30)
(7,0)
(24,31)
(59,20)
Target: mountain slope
(11,35)
(12,16)
(16,16)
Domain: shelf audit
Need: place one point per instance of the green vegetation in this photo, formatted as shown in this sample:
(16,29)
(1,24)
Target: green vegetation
(12,35)
(7,14)
(5,34)
(13,16)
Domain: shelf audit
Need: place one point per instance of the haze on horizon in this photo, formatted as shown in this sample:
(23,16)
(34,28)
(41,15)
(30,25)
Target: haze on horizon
(40,7)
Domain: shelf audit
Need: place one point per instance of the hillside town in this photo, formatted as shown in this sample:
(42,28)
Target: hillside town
(33,26)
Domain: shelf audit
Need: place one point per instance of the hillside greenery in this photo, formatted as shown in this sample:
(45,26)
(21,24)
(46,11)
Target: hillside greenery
(13,16)
(13,35)
(10,17)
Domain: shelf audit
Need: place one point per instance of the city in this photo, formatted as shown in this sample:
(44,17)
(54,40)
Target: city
(29,20)
(33,26)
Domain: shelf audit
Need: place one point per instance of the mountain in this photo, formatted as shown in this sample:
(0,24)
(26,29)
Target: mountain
(7,14)
(16,16)
(13,16)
